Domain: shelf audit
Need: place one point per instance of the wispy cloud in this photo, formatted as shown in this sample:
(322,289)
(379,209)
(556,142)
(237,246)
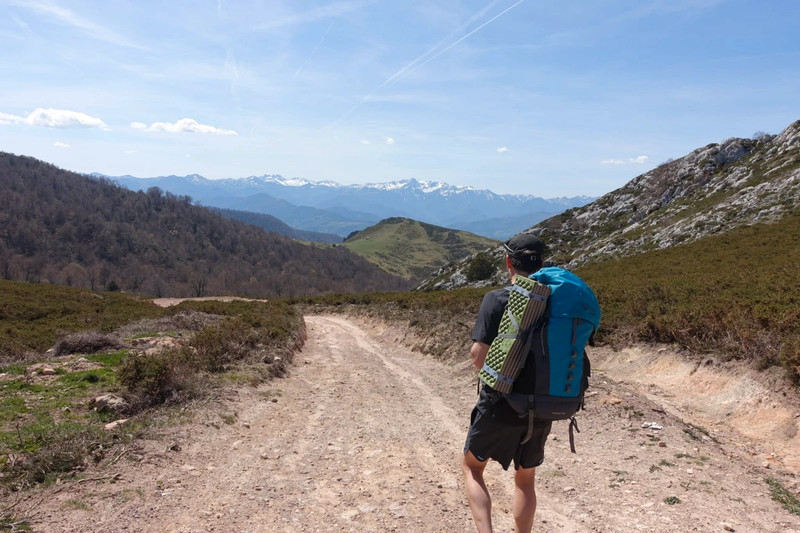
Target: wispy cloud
(423,60)
(69,18)
(55,118)
(640,159)
(59,144)
(184,125)
(337,9)
(313,50)
(364,141)
(502,150)
(429,56)
(131,151)
(613,162)
(389,140)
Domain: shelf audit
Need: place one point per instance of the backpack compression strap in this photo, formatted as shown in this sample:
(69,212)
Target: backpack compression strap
(572,424)
(531,417)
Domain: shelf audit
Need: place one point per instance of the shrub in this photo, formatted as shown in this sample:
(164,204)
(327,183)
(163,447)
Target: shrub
(217,347)
(152,378)
(65,450)
(481,267)
(87,342)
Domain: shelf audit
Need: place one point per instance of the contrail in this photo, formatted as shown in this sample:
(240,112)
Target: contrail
(402,73)
(311,54)
(415,62)
(413,66)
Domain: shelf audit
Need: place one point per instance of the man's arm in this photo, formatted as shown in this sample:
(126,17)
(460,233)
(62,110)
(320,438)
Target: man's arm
(478,353)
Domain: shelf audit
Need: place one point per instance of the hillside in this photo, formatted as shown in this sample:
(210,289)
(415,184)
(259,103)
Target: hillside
(412,249)
(712,190)
(274,225)
(65,228)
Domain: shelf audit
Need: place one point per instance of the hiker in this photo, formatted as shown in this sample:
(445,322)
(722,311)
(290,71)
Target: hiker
(495,431)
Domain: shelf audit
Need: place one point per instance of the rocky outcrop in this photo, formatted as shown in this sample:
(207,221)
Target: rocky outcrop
(714,189)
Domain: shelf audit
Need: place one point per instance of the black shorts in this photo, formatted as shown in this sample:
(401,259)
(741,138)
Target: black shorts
(492,436)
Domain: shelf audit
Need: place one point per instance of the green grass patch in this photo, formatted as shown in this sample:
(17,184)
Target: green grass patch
(108,359)
(87,379)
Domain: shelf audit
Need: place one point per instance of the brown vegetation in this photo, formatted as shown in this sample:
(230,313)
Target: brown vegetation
(63,228)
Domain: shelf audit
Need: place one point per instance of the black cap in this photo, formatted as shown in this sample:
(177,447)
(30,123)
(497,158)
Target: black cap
(525,244)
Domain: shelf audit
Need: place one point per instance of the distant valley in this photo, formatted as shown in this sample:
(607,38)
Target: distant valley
(328,207)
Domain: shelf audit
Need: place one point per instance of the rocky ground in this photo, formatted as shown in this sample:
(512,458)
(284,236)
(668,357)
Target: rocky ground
(365,435)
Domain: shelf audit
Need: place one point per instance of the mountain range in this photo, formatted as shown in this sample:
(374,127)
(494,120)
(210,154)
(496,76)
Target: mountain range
(712,190)
(328,207)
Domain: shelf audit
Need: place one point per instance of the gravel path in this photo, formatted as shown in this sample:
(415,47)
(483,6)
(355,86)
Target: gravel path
(366,436)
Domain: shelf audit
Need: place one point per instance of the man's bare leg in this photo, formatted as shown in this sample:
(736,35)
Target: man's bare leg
(480,503)
(524,499)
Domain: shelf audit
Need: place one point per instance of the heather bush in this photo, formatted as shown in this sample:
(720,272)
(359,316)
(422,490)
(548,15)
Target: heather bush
(481,267)
(87,342)
(152,379)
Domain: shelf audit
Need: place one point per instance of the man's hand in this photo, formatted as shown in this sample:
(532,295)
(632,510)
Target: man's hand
(478,353)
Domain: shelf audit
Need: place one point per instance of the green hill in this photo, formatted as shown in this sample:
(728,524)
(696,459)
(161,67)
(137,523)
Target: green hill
(412,249)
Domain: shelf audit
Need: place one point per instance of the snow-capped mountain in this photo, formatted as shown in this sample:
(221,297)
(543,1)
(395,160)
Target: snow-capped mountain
(331,207)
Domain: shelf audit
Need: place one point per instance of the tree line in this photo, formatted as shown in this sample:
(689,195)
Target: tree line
(65,228)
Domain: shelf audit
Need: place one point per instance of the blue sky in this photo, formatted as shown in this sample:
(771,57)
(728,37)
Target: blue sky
(525,97)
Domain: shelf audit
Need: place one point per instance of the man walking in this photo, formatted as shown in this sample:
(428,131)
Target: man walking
(495,430)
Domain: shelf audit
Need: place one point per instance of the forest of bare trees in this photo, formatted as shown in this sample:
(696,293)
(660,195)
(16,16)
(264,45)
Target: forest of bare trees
(65,228)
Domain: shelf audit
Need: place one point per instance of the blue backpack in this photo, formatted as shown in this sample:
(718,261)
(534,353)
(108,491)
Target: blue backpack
(552,383)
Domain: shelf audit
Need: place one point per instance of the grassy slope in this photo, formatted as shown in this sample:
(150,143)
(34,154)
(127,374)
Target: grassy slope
(737,293)
(33,316)
(412,249)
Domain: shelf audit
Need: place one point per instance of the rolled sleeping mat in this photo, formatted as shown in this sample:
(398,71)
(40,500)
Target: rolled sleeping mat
(527,302)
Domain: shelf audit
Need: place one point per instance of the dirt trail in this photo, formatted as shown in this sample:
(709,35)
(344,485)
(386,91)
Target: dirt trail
(365,435)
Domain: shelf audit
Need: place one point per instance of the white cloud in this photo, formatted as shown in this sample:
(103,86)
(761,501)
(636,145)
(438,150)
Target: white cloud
(59,144)
(613,162)
(640,159)
(389,140)
(55,118)
(184,125)
(364,141)
(502,150)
